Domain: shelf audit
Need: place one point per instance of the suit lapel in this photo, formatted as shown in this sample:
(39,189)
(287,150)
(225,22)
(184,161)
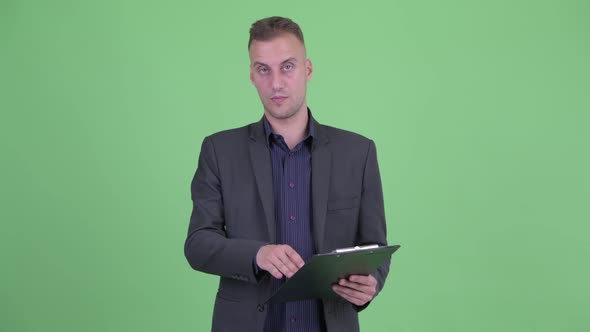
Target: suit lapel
(261,164)
(321,163)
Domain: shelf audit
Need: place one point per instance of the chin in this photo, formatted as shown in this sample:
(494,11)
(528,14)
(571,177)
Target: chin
(281,114)
(278,112)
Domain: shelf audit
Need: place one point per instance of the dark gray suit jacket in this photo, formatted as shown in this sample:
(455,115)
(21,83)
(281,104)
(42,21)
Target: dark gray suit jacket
(233,216)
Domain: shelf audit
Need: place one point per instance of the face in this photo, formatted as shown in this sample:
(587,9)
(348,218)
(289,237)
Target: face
(279,70)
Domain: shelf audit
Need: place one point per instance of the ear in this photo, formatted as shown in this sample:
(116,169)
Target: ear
(308,69)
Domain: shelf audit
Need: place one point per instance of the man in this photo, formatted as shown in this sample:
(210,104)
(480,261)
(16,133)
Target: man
(268,196)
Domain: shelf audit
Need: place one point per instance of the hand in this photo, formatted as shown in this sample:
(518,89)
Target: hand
(357,289)
(279,260)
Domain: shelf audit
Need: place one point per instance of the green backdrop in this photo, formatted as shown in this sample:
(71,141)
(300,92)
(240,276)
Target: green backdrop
(479,110)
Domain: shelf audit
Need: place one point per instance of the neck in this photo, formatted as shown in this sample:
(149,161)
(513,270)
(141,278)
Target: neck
(293,129)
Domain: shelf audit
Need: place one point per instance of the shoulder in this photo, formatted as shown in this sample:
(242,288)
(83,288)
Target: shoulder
(230,134)
(344,138)
(230,138)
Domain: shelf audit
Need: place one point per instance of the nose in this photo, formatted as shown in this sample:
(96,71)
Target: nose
(277,81)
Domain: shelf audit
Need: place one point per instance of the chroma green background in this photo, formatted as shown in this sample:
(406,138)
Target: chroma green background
(479,110)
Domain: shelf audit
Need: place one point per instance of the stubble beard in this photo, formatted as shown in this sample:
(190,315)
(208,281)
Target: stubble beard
(283,115)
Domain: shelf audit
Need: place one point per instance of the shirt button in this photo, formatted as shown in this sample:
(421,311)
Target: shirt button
(293,319)
(291,154)
(291,185)
(292,218)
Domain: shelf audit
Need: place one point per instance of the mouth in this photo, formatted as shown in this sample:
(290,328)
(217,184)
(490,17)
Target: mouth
(278,99)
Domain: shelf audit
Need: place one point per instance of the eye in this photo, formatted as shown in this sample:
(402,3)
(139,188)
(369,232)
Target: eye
(263,70)
(288,67)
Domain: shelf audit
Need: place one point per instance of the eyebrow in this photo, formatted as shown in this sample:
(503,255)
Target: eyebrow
(258,63)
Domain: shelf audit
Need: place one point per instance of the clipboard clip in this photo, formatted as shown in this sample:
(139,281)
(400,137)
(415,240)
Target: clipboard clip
(356,248)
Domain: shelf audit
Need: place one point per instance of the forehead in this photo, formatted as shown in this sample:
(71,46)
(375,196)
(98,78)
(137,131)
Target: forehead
(276,50)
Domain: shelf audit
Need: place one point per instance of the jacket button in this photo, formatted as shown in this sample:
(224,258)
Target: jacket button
(260,308)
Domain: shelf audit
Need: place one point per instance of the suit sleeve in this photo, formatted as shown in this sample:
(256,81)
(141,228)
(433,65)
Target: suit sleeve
(373,229)
(207,247)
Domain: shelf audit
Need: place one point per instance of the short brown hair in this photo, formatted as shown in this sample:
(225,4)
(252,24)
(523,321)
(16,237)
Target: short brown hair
(270,27)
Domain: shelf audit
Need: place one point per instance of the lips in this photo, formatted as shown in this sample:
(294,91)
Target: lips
(278,99)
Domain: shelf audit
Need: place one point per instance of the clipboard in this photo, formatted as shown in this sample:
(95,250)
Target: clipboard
(315,278)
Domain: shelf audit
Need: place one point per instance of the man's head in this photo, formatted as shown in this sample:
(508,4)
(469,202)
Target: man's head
(279,68)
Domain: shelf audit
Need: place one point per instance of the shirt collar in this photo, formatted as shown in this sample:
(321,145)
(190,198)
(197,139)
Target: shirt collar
(268,132)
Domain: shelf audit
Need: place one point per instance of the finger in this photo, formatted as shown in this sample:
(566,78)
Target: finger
(346,297)
(282,262)
(274,272)
(264,258)
(350,295)
(288,265)
(294,257)
(368,280)
(290,258)
(352,300)
(368,292)
(280,266)
(351,292)
(359,287)
(267,263)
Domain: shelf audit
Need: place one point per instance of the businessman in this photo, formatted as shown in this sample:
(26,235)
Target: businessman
(269,195)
